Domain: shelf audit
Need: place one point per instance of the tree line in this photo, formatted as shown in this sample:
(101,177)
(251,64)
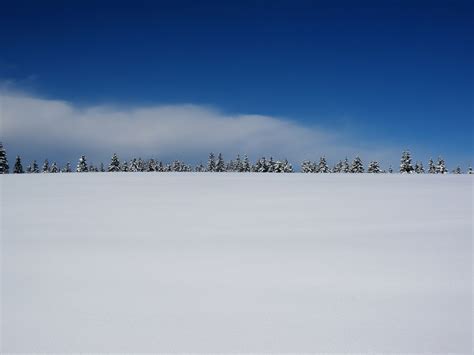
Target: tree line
(239,164)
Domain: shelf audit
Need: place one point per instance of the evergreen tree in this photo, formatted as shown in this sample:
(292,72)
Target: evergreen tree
(29,169)
(114,165)
(345,166)
(35,167)
(45,166)
(133,165)
(54,168)
(307,167)
(102,169)
(67,168)
(374,167)
(287,168)
(405,163)
(200,168)
(18,168)
(125,166)
(151,165)
(390,170)
(357,166)
(220,166)
(323,166)
(238,166)
(431,167)
(211,163)
(261,165)
(246,164)
(457,170)
(82,165)
(419,169)
(4,167)
(469,171)
(338,167)
(441,166)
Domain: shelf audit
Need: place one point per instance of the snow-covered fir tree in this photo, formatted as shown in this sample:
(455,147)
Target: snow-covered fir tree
(124,166)
(220,165)
(82,165)
(323,166)
(457,170)
(374,167)
(390,170)
(431,167)
(102,168)
(200,168)
(338,167)
(246,164)
(287,167)
(211,163)
(470,171)
(308,167)
(35,168)
(45,166)
(441,166)
(67,168)
(346,168)
(18,168)
(151,165)
(357,166)
(4,167)
(29,169)
(133,165)
(405,163)
(419,169)
(54,168)
(260,165)
(114,165)
(238,164)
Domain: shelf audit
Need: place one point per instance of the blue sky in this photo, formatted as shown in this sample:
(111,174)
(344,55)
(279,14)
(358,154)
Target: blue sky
(380,75)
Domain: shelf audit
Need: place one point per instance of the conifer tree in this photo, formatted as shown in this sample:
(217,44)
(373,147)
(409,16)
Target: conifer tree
(419,169)
(390,170)
(4,167)
(29,169)
(470,171)
(345,166)
(102,169)
(405,163)
(125,166)
(323,166)
(374,167)
(18,168)
(441,166)
(114,165)
(307,167)
(82,165)
(45,166)
(246,164)
(211,163)
(357,166)
(457,170)
(54,168)
(67,168)
(431,167)
(35,168)
(220,166)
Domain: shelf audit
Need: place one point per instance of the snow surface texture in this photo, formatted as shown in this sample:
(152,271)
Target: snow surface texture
(177,262)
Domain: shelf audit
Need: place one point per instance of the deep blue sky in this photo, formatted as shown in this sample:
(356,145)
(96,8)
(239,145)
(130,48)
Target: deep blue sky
(396,71)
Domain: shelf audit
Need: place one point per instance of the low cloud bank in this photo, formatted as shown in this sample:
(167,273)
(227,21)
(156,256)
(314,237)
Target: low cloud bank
(33,125)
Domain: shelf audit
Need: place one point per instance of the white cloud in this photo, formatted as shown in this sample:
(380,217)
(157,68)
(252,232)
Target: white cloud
(187,132)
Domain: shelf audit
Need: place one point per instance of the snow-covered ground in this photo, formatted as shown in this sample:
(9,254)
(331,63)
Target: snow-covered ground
(177,262)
